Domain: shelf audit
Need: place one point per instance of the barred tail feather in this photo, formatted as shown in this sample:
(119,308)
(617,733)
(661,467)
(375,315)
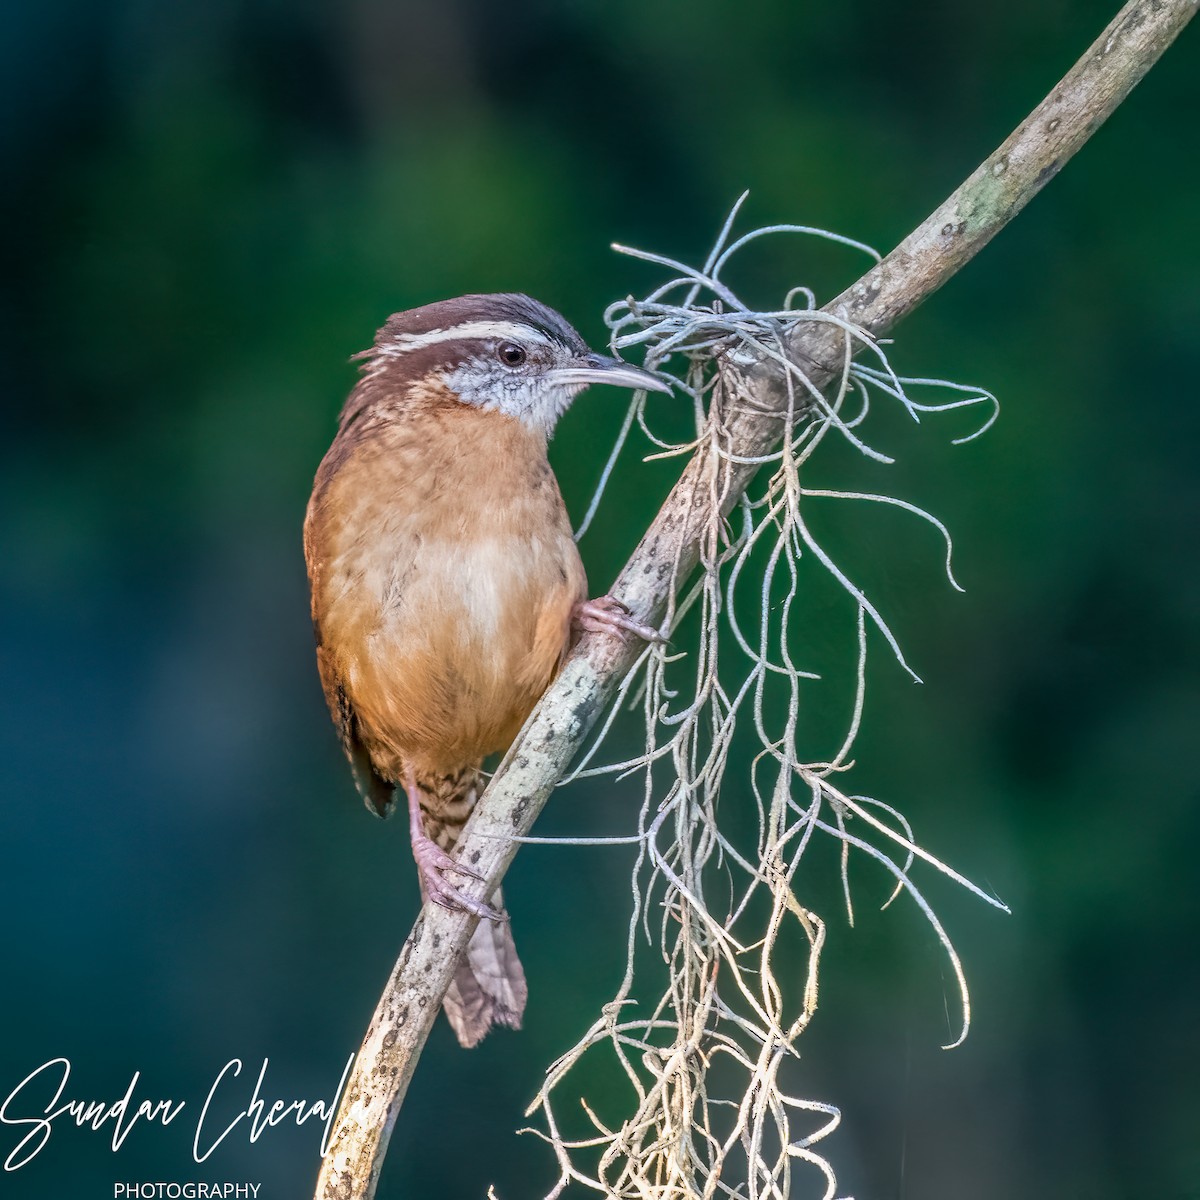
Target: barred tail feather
(489,986)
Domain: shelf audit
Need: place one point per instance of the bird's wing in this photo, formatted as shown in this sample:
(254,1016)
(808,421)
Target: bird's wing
(378,794)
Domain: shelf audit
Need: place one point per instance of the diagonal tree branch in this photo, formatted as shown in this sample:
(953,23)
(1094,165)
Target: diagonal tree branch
(999,188)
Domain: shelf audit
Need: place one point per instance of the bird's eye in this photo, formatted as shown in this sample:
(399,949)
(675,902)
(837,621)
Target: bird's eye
(510,354)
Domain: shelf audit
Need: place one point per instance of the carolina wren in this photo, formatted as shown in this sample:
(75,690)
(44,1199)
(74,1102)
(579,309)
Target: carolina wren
(446,583)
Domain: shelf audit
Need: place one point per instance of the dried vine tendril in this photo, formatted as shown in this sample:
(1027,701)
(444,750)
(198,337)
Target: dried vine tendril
(706,1057)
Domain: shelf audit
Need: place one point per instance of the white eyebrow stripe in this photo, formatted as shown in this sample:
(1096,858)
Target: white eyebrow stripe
(406,343)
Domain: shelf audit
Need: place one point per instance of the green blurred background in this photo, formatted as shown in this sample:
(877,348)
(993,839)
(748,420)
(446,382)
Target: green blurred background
(213,205)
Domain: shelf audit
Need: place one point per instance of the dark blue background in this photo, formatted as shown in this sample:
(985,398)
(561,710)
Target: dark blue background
(211,206)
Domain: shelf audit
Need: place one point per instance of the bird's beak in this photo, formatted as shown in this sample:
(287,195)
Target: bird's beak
(597,368)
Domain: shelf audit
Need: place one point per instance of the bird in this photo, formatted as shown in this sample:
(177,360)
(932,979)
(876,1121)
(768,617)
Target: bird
(445,581)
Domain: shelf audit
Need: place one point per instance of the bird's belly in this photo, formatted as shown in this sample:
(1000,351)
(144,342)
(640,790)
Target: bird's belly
(468,635)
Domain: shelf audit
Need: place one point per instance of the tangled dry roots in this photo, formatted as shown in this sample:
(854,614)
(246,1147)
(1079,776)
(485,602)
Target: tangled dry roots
(710,1057)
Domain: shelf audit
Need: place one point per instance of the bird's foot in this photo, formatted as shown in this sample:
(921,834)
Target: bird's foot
(608,615)
(435,864)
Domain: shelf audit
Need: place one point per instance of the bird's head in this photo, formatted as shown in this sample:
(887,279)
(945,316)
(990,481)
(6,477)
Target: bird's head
(504,352)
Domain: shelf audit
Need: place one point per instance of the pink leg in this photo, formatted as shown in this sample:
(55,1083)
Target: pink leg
(434,863)
(606,615)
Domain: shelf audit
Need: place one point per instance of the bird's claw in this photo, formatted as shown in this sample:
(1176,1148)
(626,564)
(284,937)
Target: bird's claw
(434,864)
(606,614)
